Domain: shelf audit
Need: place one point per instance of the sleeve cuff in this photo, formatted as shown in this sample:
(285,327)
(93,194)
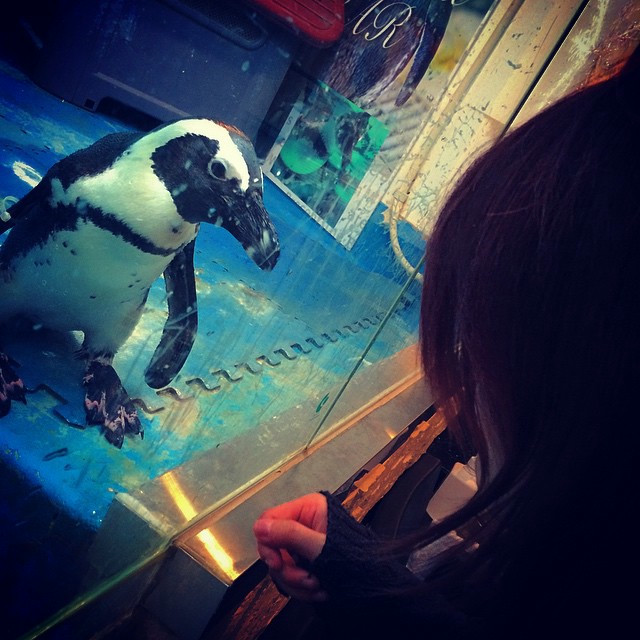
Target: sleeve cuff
(353,564)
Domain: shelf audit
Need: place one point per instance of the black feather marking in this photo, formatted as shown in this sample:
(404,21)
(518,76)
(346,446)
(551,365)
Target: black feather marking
(40,219)
(118,228)
(92,160)
(30,233)
(38,224)
(183,161)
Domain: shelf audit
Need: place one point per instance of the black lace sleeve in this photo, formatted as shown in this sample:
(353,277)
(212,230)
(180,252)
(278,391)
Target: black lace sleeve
(371,594)
(352,565)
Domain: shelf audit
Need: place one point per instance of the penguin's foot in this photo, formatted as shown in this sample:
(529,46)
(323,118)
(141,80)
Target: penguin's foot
(11,387)
(107,403)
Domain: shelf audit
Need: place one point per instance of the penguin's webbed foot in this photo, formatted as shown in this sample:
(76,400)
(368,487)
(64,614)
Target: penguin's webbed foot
(107,403)
(11,386)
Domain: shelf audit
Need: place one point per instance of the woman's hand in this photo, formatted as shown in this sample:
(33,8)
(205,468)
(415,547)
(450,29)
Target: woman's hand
(288,533)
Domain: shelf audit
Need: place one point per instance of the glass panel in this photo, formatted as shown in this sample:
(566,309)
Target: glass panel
(86,499)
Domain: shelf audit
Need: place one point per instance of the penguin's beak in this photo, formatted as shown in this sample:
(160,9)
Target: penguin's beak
(265,248)
(267,258)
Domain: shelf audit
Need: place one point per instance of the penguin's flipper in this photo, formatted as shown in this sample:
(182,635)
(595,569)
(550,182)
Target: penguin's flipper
(435,24)
(181,327)
(11,387)
(107,403)
(22,208)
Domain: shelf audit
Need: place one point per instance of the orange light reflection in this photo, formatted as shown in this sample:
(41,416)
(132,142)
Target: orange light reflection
(222,559)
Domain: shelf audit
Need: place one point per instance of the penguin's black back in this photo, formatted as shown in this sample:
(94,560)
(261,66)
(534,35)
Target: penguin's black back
(94,159)
(36,227)
(90,161)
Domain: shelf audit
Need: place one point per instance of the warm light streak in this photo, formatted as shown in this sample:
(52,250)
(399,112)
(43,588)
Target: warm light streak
(390,433)
(177,494)
(220,556)
(213,547)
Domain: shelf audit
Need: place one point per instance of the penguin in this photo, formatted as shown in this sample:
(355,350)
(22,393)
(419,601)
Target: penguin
(88,241)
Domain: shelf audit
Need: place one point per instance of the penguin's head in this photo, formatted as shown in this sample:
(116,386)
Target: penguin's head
(213,175)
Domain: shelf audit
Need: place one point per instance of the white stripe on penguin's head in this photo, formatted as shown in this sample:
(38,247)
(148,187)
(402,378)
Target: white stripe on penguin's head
(236,164)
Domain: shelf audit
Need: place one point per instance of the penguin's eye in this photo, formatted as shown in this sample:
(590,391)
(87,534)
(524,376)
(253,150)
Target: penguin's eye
(217,169)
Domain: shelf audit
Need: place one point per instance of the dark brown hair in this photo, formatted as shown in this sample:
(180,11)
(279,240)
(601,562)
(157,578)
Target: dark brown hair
(530,330)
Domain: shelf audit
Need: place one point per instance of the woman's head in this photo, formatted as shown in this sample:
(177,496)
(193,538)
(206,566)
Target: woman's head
(530,332)
(530,303)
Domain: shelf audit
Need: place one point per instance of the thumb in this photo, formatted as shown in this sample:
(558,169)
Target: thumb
(291,536)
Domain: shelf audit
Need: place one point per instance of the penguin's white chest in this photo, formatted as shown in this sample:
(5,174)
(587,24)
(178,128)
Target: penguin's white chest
(83,278)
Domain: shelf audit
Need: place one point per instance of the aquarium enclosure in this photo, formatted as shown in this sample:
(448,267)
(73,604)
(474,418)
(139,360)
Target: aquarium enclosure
(201,318)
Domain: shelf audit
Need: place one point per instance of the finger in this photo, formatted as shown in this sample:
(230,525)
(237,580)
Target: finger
(310,510)
(298,578)
(292,536)
(271,557)
(303,594)
(292,508)
(299,590)
(287,558)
